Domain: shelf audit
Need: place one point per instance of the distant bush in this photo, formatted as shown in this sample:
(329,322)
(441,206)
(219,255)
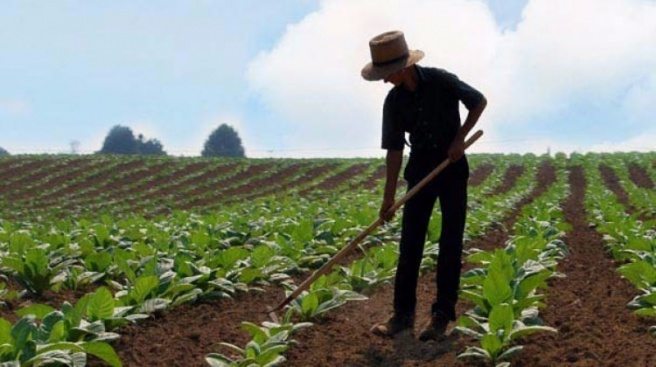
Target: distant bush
(121,140)
(223,142)
(3,151)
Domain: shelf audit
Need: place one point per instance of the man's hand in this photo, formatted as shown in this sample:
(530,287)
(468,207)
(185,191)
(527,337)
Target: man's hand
(457,149)
(387,204)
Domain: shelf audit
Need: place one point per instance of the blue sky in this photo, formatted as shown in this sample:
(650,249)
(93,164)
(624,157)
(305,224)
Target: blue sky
(287,75)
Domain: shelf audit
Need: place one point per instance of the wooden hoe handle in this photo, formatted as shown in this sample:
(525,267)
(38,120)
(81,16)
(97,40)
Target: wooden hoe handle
(344,251)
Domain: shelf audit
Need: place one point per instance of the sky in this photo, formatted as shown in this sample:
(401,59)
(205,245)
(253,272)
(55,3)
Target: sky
(559,75)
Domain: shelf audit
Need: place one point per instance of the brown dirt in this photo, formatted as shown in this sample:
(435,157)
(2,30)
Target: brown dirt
(280,176)
(7,166)
(298,181)
(185,335)
(93,180)
(180,187)
(16,173)
(343,339)
(71,170)
(589,305)
(613,183)
(199,194)
(480,174)
(38,174)
(112,188)
(509,179)
(175,172)
(375,178)
(640,177)
(333,181)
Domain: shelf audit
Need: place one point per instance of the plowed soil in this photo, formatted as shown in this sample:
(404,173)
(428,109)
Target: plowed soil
(480,174)
(298,181)
(589,305)
(333,181)
(613,183)
(509,178)
(640,177)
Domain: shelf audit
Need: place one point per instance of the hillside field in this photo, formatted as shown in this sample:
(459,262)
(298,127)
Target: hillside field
(162,261)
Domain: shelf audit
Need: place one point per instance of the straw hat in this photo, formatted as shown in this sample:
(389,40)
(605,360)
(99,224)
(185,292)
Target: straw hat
(389,53)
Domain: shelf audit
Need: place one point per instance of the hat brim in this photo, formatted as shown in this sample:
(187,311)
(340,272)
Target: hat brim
(372,72)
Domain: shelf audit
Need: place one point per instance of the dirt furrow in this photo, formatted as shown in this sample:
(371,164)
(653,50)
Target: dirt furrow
(640,177)
(298,181)
(589,305)
(613,183)
(71,191)
(480,174)
(72,169)
(333,181)
(343,338)
(509,179)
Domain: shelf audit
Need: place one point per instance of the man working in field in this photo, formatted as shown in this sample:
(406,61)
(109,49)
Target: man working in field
(425,103)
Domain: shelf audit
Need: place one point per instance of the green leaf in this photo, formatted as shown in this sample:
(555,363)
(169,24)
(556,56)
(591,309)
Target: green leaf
(101,305)
(309,304)
(510,352)
(475,353)
(154,304)
(38,310)
(103,351)
(261,255)
(58,332)
(5,332)
(21,331)
(143,286)
(496,289)
(218,360)
(523,331)
(640,273)
(491,344)
(530,283)
(230,256)
(249,275)
(501,318)
(646,312)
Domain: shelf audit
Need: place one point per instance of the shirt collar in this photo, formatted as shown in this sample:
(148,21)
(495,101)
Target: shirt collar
(421,77)
(420,74)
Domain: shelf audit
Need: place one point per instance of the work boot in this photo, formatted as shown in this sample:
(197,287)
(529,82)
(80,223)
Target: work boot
(435,328)
(393,325)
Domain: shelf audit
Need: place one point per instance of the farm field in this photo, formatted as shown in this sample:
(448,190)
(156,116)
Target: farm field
(140,261)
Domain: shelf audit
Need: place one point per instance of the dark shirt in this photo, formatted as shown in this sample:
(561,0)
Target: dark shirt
(430,114)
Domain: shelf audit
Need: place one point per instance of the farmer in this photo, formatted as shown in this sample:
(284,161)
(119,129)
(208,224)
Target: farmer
(425,103)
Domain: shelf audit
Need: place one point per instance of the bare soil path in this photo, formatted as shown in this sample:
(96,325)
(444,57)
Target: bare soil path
(589,305)
(640,177)
(509,178)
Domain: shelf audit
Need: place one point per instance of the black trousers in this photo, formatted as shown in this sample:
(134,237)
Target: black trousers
(450,187)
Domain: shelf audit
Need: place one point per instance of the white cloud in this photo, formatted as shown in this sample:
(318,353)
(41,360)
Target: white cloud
(640,143)
(14,107)
(561,53)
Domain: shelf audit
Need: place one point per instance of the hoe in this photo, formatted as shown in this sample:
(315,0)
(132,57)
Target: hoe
(354,243)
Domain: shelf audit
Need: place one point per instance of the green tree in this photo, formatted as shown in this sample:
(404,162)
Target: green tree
(3,151)
(223,142)
(121,140)
(150,146)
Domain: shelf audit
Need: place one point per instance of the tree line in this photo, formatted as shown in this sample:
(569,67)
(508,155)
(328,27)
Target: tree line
(224,141)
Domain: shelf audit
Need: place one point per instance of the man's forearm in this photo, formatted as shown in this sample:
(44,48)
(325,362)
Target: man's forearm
(393,166)
(472,117)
